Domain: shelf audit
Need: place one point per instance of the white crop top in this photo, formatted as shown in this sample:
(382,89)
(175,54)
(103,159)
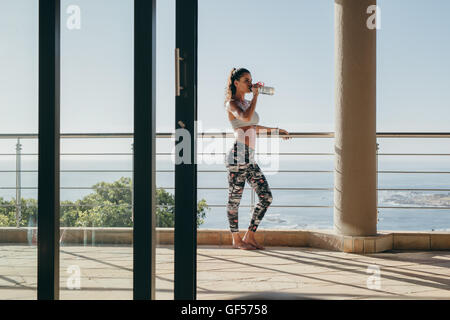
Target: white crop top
(237,123)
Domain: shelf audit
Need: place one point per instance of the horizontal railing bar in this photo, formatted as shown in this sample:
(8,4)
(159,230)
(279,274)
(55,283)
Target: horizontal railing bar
(272,188)
(73,135)
(74,154)
(170,188)
(242,205)
(419,189)
(76,171)
(439,208)
(291,171)
(171,154)
(229,135)
(425,172)
(99,154)
(413,134)
(272,206)
(103,205)
(316,189)
(164,135)
(306,206)
(199,171)
(69,188)
(204,153)
(226,188)
(223,153)
(22,154)
(413,154)
(166,188)
(82,205)
(214,205)
(277,153)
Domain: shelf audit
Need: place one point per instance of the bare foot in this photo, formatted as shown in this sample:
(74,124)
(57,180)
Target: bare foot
(243,245)
(253,243)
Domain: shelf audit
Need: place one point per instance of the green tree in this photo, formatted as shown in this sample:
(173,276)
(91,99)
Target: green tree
(8,212)
(109,205)
(165,215)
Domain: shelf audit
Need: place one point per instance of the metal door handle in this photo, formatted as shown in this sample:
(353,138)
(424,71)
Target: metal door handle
(178,88)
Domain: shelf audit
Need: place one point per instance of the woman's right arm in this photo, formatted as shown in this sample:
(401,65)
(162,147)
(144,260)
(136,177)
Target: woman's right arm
(239,113)
(252,107)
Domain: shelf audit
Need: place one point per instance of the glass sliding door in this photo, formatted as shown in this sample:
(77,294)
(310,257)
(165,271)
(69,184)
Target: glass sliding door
(97,152)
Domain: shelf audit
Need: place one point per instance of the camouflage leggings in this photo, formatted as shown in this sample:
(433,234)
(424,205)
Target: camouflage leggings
(237,175)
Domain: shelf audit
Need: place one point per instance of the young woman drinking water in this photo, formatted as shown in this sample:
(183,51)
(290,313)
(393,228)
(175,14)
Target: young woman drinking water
(239,160)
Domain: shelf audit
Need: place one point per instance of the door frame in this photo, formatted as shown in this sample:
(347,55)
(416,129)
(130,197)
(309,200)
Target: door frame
(144,146)
(185,238)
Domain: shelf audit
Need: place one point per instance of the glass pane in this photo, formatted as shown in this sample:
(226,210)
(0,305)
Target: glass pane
(412,96)
(18,156)
(96,197)
(165,165)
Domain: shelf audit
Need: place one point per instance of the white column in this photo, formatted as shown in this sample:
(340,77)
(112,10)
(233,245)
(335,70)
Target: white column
(355,197)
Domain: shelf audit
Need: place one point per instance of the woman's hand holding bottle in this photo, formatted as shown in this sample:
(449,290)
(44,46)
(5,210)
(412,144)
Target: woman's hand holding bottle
(255,89)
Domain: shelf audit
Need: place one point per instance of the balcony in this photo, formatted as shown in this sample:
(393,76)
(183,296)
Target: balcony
(343,224)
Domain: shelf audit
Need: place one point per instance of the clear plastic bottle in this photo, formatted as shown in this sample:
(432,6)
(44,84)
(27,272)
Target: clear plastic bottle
(266,90)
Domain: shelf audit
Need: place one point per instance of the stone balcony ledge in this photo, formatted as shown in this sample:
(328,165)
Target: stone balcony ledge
(323,239)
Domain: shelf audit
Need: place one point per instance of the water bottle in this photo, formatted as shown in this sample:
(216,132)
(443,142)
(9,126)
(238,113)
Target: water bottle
(265,90)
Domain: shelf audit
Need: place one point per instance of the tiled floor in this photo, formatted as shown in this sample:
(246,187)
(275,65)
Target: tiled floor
(224,273)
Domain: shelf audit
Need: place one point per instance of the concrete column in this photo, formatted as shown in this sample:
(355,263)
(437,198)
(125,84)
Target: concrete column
(355,177)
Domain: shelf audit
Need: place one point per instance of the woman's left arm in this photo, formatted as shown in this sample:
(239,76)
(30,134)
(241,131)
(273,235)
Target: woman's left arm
(264,129)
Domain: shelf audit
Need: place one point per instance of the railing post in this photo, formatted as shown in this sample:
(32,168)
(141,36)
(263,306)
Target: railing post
(132,193)
(18,185)
(93,234)
(376,163)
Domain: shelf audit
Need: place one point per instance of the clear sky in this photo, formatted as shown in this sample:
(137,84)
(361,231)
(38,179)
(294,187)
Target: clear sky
(286,44)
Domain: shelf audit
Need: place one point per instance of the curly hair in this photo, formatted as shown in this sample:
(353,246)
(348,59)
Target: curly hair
(230,89)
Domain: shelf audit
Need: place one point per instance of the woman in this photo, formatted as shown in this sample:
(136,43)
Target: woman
(239,160)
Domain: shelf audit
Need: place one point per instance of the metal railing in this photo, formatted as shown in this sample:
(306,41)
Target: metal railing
(224,135)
